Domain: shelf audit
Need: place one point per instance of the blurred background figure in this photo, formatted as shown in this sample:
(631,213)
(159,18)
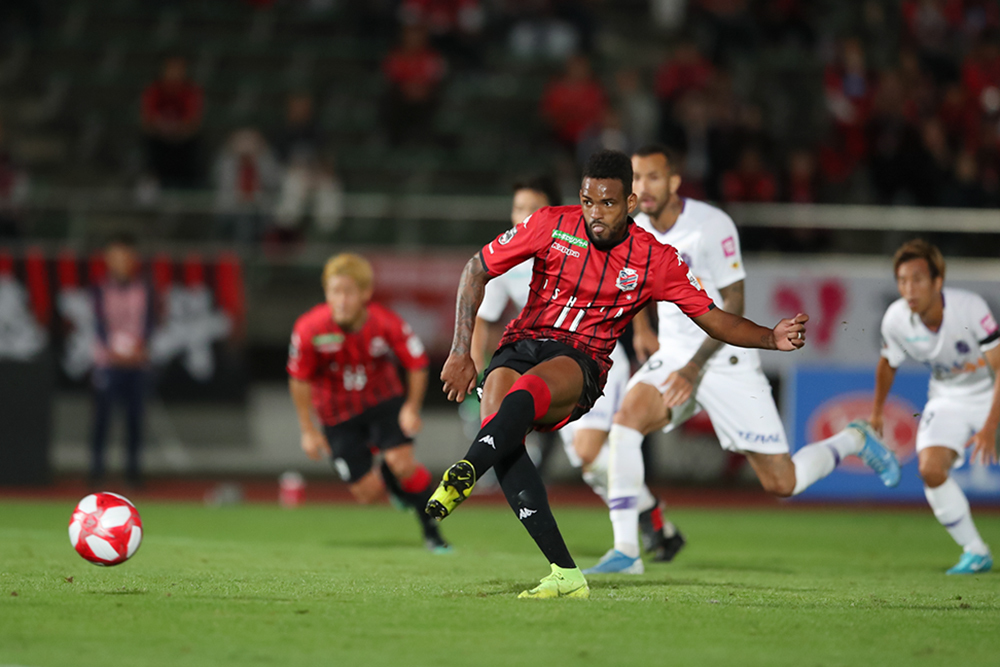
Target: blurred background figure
(573,103)
(309,186)
(172,108)
(245,174)
(125,314)
(13,190)
(414,72)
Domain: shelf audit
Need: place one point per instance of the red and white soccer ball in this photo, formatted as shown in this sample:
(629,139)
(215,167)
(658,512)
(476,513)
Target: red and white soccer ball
(105,529)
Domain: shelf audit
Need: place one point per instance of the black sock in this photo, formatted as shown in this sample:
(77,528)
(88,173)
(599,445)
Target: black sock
(526,495)
(504,433)
(417,500)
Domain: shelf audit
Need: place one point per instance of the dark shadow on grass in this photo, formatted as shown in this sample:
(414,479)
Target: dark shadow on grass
(387,542)
(731,567)
(128,591)
(612,584)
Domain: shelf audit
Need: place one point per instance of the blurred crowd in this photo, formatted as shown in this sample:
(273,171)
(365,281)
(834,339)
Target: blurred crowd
(874,101)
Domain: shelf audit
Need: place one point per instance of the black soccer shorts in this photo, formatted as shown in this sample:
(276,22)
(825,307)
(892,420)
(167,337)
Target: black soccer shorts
(353,443)
(523,355)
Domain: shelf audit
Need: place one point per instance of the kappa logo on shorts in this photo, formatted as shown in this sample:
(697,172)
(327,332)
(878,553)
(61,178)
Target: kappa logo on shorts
(488,439)
(524,513)
(627,279)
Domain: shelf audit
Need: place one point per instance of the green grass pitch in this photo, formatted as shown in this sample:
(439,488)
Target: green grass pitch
(345,585)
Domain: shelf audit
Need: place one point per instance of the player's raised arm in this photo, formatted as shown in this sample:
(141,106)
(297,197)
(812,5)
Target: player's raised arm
(459,372)
(787,335)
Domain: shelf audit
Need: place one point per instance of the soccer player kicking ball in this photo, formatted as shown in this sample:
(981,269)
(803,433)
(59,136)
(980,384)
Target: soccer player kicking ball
(341,367)
(593,270)
(585,439)
(953,332)
(688,371)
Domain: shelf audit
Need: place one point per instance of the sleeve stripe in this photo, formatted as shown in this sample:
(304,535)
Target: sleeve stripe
(482,258)
(992,337)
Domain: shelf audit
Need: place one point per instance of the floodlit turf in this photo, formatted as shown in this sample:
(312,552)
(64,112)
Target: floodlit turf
(344,585)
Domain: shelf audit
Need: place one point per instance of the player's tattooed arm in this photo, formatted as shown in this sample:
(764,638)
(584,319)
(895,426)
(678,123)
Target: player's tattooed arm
(470,295)
(459,372)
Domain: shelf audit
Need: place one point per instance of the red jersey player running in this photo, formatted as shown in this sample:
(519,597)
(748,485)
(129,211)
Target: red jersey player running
(342,368)
(593,270)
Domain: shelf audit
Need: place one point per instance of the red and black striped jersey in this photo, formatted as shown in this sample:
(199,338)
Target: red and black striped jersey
(581,295)
(352,371)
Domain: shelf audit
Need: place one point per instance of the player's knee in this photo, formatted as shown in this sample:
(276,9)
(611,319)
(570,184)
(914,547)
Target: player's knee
(367,491)
(778,485)
(400,462)
(932,474)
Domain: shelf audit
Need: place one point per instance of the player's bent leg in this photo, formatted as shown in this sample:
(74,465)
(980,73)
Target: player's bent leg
(546,394)
(642,409)
(951,508)
(368,489)
(526,495)
(776,472)
(587,443)
(407,479)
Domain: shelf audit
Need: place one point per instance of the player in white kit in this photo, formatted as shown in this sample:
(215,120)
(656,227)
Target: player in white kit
(687,371)
(953,332)
(584,440)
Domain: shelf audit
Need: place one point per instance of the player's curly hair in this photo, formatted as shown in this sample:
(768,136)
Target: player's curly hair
(610,164)
(920,249)
(353,266)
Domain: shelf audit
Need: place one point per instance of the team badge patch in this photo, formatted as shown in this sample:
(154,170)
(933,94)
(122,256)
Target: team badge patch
(507,236)
(729,246)
(962,347)
(989,324)
(627,279)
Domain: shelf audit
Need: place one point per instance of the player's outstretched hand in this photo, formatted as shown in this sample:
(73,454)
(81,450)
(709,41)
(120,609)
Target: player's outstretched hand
(984,446)
(315,446)
(459,376)
(645,344)
(790,334)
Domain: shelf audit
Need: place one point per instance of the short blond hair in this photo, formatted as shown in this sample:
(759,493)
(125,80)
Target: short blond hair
(355,267)
(920,249)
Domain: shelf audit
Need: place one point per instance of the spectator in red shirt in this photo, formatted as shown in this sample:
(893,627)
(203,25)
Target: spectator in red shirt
(574,102)
(800,178)
(981,73)
(848,87)
(750,181)
(415,72)
(172,109)
(684,71)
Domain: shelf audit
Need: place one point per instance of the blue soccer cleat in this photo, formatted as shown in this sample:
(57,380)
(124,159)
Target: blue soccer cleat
(615,562)
(972,564)
(876,455)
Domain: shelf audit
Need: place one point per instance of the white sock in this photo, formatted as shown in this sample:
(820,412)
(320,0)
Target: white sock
(817,460)
(625,482)
(595,474)
(951,508)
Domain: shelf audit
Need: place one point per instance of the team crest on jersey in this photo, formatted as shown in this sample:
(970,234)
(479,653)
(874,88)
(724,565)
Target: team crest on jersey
(506,237)
(627,279)
(378,346)
(962,347)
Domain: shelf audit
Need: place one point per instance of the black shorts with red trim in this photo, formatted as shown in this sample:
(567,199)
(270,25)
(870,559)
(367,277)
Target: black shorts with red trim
(523,355)
(353,443)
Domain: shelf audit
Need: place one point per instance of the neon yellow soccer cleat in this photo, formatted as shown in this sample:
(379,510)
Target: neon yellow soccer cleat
(455,487)
(562,583)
